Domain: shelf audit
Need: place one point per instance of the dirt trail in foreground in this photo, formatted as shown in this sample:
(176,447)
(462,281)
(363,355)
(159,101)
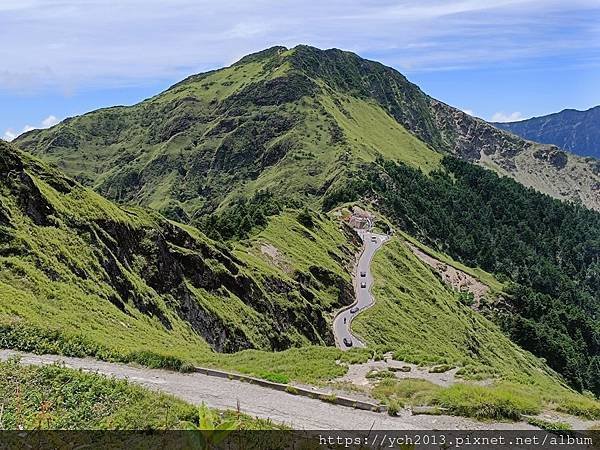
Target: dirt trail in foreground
(295,411)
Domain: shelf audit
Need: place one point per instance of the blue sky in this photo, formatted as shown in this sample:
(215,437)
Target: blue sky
(497,59)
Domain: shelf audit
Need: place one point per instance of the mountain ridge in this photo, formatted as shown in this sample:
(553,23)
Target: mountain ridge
(287,108)
(570,129)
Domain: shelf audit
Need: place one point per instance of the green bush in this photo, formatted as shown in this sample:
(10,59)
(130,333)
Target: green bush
(394,407)
(305,218)
(275,377)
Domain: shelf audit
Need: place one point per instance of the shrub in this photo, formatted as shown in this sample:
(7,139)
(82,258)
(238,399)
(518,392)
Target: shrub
(305,218)
(466,298)
(275,377)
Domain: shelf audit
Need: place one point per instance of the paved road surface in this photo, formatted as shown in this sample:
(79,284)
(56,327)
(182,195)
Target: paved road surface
(295,411)
(341,324)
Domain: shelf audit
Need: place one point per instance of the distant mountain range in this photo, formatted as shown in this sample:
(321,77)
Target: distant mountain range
(570,129)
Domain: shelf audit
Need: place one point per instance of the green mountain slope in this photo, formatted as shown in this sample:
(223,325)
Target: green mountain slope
(126,280)
(547,249)
(81,276)
(291,121)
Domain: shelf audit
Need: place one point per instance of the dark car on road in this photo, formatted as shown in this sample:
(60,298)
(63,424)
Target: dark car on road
(347,342)
(354,310)
(363,274)
(373,238)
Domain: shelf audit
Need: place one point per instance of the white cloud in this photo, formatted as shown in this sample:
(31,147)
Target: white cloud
(510,117)
(9,135)
(72,44)
(50,121)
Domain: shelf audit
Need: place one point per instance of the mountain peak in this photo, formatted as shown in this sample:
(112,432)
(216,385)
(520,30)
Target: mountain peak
(262,54)
(291,120)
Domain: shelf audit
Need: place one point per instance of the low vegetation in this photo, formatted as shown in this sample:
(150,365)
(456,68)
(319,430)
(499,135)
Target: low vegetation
(53,397)
(499,401)
(548,425)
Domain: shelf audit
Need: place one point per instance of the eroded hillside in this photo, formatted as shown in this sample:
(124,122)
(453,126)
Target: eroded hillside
(127,280)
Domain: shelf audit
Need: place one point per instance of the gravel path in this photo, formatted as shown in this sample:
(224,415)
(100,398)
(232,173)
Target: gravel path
(295,411)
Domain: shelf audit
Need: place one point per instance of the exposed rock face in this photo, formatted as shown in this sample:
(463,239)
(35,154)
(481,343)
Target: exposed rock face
(557,158)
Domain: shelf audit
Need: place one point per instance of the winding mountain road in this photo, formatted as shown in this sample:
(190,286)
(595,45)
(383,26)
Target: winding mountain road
(363,281)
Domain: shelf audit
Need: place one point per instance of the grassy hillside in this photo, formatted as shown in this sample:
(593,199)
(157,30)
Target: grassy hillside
(113,280)
(546,249)
(423,321)
(290,121)
(53,397)
(249,154)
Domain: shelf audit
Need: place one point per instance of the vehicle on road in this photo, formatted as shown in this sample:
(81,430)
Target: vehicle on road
(363,285)
(347,342)
(354,310)
(363,274)
(373,238)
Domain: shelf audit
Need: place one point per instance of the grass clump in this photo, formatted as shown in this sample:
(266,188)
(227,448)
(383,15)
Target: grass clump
(488,402)
(329,398)
(379,374)
(547,425)
(410,391)
(275,377)
(394,407)
(291,390)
